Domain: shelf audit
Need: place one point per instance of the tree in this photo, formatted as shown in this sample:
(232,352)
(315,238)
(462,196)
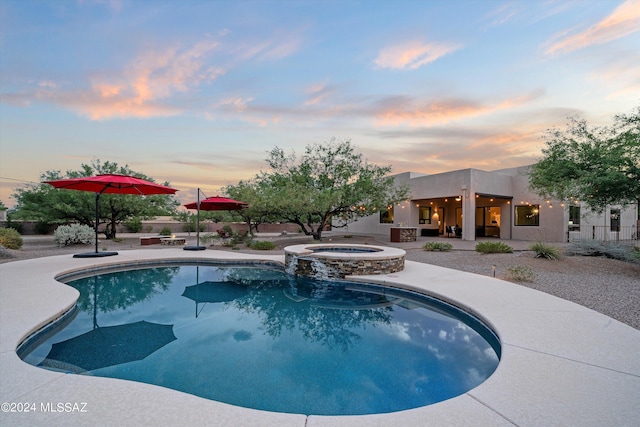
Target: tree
(329,181)
(598,166)
(258,211)
(42,202)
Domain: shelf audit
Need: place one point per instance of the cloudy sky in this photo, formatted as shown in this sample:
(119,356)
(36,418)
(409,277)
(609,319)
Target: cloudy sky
(197,92)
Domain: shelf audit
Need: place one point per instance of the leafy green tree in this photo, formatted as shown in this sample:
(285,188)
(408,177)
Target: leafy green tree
(598,166)
(258,211)
(42,202)
(329,181)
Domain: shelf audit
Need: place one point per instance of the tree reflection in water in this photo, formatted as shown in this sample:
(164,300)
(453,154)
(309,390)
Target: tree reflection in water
(326,312)
(105,293)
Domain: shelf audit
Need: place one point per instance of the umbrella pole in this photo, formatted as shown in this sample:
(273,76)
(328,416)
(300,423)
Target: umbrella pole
(97,218)
(96,254)
(197,247)
(198,220)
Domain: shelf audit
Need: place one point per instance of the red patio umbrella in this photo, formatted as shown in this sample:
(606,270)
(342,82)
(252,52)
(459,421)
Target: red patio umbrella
(216,203)
(111,184)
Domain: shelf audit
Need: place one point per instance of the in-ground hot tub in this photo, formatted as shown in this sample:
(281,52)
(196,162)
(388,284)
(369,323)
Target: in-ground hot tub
(329,261)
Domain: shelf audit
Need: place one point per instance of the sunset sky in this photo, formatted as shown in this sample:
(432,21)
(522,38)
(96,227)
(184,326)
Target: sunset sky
(197,92)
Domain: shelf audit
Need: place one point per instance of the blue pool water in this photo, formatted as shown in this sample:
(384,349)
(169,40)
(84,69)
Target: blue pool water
(256,337)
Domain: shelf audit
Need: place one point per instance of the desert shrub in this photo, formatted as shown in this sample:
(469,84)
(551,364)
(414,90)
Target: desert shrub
(209,238)
(15,225)
(437,246)
(134,225)
(225,232)
(493,248)
(543,250)
(241,236)
(43,227)
(520,273)
(148,228)
(263,245)
(10,238)
(612,250)
(166,231)
(72,234)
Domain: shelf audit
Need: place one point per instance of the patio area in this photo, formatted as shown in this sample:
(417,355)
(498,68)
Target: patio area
(562,364)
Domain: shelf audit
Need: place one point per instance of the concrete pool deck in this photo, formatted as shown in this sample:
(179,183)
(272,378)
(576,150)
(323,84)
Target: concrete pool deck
(562,364)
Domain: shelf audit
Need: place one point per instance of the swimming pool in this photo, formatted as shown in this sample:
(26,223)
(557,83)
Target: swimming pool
(256,337)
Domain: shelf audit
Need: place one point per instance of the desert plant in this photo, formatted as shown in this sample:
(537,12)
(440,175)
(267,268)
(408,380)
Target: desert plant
(543,250)
(520,273)
(43,227)
(10,238)
(134,225)
(262,245)
(225,232)
(612,250)
(437,246)
(72,234)
(493,248)
(166,231)
(15,225)
(209,238)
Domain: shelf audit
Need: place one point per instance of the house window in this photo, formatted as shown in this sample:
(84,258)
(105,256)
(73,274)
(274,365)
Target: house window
(425,215)
(386,217)
(574,218)
(615,220)
(528,215)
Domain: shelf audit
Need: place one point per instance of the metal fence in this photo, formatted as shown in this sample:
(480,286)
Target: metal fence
(604,233)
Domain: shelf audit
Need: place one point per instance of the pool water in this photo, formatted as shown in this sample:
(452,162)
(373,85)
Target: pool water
(256,337)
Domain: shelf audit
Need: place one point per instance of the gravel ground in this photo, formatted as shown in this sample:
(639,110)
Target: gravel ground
(608,286)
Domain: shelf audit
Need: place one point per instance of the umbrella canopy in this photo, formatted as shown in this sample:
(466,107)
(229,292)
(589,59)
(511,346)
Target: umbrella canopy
(111,184)
(214,292)
(216,203)
(108,346)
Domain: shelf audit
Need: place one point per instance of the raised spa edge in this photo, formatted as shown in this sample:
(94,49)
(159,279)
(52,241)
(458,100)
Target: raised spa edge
(340,260)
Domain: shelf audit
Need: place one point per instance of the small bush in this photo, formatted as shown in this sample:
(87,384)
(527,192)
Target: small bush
(437,247)
(520,273)
(43,227)
(545,251)
(72,234)
(241,236)
(166,231)
(263,245)
(134,225)
(493,248)
(10,238)
(15,225)
(225,232)
(209,238)
(612,250)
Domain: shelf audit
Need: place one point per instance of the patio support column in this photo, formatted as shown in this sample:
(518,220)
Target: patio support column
(468,214)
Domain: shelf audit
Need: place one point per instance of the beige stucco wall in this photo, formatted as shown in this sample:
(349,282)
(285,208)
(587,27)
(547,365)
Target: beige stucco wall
(506,188)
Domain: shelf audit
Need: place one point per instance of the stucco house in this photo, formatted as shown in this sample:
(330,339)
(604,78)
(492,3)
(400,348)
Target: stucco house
(472,203)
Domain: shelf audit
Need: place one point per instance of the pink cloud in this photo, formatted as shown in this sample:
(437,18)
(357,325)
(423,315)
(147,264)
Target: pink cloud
(139,91)
(412,55)
(624,20)
(402,111)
